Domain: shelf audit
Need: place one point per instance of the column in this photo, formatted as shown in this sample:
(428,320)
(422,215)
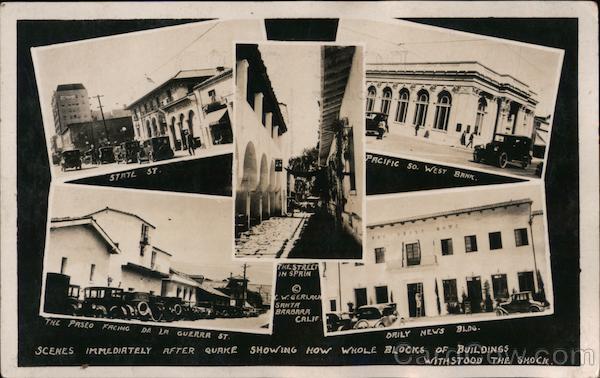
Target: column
(241,74)
(258,106)
(269,122)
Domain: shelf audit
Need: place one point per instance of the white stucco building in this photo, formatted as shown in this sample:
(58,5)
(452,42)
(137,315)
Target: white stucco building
(445,258)
(195,102)
(448,99)
(262,147)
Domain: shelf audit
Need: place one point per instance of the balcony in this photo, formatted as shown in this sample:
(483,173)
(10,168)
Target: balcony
(426,261)
(215,103)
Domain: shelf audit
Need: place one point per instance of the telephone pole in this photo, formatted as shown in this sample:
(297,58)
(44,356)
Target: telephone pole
(102,114)
(245,283)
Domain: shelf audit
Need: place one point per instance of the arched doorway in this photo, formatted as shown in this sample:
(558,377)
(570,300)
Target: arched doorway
(245,208)
(181,132)
(173,134)
(190,125)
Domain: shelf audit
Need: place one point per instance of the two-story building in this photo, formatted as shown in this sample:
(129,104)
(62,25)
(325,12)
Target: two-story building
(108,247)
(261,147)
(445,101)
(447,262)
(192,105)
(341,134)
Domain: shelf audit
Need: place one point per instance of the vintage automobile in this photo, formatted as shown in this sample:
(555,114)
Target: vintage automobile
(519,302)
(227,311)
(250,312)
(103,302)
(204,310)
(154,149)
(505,149)
(107,155)
(376,316)
(137,304)
(128,152)
(372,121)
(174,308)
(339,321)
(70,159)
(60,296)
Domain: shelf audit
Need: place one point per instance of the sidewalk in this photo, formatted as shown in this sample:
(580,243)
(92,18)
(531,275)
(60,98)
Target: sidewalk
(271,237)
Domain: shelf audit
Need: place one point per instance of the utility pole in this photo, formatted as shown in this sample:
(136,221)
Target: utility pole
(102,114)
(245,287)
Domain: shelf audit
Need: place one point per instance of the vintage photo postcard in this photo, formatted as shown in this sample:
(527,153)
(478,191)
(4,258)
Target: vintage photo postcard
(299,151)
(110,256)
(445,257)
(457,98)
(113,107)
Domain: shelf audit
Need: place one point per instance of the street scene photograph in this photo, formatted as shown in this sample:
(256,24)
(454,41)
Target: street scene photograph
(458,98)
(139,99)
(157,259)
(449,257)
(299,158)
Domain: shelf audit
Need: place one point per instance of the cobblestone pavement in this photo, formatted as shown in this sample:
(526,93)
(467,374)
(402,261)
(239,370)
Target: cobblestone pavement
(270,238)
(418,148)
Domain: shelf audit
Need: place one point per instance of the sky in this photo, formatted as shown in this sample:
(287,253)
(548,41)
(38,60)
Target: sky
(196,230)
(118,67)
(388,208)
(408,42)
(295,74)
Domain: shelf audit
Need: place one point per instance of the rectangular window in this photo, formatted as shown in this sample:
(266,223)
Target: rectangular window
(144,239)
(450,292)
(413,254)
(360,296)
(446,247)
(153,260)
(495,240)
(521,237)
(471,243)
(212,94)
(92,270)
(379,255)
(381,294)
(63,265)
(526,281)
(332,305)
(500,286)
(458,127)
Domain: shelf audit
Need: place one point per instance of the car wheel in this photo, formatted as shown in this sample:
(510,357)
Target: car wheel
(524,164)
(361,324)
(476,158)
(500,312)
(503,160)
(380,325)
(116,312)
(534,309)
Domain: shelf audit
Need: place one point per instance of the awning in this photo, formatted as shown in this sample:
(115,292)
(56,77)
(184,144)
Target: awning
(214,292)
(135,268)
(217,117)
(541,137)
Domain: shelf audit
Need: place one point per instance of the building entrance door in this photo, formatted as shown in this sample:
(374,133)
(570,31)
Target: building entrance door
(474,293)
(360,295)
(526,281)
(416,300)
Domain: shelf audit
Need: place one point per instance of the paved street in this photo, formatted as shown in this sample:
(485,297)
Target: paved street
(88,170)
(227,323)
(271,237)
(419,148)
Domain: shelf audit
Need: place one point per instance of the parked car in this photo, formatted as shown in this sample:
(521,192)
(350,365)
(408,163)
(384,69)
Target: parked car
(137,304)
(174,308)
(128,152)
(376,316)
(372,120)
(505,149)
(60,296)
(227,311)
(250,312)
(339,321)
(204,310)
(70,159)
(107,155)
(154,149)
(519,302)
(103,302)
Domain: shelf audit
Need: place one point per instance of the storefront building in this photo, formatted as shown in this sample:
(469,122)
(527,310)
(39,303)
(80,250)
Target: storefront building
(466,260)
(444,101)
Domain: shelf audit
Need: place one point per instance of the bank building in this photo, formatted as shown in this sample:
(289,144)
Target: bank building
(463,261)
(444,101)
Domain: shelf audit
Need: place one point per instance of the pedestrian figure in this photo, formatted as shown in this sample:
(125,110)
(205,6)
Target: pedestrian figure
(463,138)
(381,129)
(470,144)
(416,129)
(190,143)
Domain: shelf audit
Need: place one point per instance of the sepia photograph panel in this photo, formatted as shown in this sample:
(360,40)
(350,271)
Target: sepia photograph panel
(458,98)
(299,184)
(447,257)
(136,256)
(118,104)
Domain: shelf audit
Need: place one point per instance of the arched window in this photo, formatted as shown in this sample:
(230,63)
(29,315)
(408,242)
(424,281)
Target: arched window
(442,111)
(386,100)
(481,110)
(402,105)
(421,108)
(371,98)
